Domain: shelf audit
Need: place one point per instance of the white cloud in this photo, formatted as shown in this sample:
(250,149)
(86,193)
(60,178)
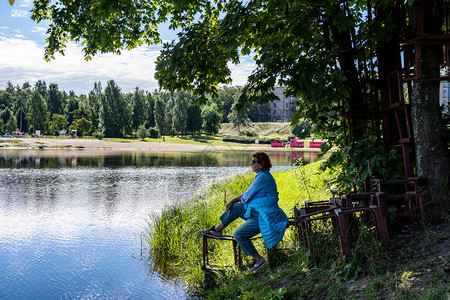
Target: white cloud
(23,61)
(17,13)
(40,30)
(26,3)
(240,72)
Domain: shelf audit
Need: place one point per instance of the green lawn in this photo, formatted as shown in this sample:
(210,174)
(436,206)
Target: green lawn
(195,140)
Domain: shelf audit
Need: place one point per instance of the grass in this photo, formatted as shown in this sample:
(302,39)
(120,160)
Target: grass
(261,128)
(175,237)
(61,147)
(266,129)
(11,141)
(193,140)
(413,267)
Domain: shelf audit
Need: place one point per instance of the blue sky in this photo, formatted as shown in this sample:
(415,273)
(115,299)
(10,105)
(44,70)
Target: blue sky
(22,44)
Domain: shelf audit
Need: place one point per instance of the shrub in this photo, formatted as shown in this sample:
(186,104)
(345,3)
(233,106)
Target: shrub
(153,132)
(99,135)
(250,133)
(142,132)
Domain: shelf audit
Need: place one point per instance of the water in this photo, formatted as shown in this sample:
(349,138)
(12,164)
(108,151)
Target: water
(70,225)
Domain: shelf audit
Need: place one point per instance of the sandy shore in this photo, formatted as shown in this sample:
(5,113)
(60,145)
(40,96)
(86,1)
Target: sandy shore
(95,144)
(103,145)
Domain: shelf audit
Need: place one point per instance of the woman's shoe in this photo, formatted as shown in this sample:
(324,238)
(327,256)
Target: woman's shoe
(258,265)
(212,233)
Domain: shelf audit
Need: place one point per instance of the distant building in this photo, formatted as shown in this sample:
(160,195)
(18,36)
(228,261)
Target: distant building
(444,95)
(283,109)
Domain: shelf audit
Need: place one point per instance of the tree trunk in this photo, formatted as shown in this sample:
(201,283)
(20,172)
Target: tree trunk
(432,157)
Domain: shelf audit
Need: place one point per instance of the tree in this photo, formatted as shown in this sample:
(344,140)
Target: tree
(163,113)
(37,112)
(94,99)
(22,96)
(71,107)
(180,116)
(114,113)
(169,115)
(194,122)
(239,118)
(225,101)
(55,101)
(57,123)
(6,100)
(142,132)
(319,50)
(11,124)
(6,104)
(82,126)
(41,87)
(150,111)
(211,119)
(138,111)
(432,159)
(83,111)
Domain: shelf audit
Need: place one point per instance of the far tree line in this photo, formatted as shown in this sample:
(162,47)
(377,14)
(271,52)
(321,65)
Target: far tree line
(110,113)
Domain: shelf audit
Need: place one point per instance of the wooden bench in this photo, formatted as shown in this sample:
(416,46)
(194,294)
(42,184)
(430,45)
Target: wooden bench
(404,190)
(315,144)
(339,210)
(225,237)
(276,144)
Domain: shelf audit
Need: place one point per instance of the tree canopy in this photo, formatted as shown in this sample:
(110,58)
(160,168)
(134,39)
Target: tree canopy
(321,50)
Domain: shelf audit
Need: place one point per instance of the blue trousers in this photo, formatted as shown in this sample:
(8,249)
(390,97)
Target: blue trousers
(243,233)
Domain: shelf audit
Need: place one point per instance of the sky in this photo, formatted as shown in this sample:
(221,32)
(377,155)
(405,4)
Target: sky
(22,43)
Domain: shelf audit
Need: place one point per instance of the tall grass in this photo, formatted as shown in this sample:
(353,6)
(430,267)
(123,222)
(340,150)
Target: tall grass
(175,245)
(174,235)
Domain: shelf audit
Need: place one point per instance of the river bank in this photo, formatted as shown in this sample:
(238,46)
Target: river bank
(172,144)
(412,265)
(96,144)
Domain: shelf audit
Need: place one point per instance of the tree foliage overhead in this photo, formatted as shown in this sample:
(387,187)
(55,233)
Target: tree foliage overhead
(320,50)
(286,38)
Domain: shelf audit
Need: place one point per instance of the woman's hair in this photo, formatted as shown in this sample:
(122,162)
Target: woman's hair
(263,159)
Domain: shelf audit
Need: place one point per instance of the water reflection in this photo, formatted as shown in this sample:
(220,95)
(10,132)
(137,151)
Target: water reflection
(74,232)
(111,159)
(70,224)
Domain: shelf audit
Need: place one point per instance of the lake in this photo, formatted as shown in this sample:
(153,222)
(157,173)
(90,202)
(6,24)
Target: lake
(71,220)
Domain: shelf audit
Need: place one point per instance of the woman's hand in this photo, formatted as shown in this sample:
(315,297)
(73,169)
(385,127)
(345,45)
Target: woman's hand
(229,204)
(232,201)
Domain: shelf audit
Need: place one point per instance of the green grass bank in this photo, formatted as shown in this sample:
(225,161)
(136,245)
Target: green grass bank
(404,269)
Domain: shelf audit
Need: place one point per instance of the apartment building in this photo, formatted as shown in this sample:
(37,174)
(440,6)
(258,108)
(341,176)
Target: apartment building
(444,95)
(283,109)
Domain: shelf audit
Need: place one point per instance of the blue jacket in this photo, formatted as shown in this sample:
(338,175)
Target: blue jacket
(262,196)
(263,186)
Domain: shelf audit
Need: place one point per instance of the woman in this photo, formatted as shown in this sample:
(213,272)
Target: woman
(259,207)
